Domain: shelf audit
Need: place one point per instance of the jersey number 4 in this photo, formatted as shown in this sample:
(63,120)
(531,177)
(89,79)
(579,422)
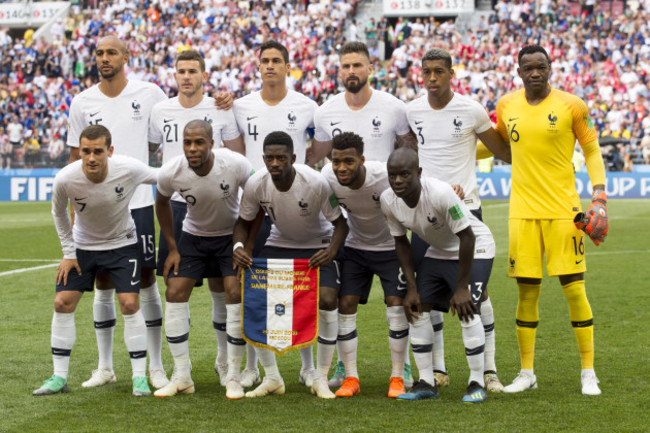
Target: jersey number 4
(254,132)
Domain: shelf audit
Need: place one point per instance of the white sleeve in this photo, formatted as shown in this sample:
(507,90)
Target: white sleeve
(329,205)
(249,204)
(76,124)
(483,122)
(155,134)
(320,133)
(230,131)
(164,185)
(61,219)
(455,211)
(245,169)
(144,173)
(402,122)
(396,229)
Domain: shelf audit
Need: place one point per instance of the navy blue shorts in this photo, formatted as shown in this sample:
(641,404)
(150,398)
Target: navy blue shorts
(146,231)
(205,257)
(419,247)
(358,267)
(436,281)
(330,275)
(179,210)
(121,265)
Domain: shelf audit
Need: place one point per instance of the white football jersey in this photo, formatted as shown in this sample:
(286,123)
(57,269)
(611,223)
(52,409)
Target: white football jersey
(300,216)
(437,217)
(447,141)
(127,118)
(368,228)
(102,218)
(168,120)
(256,119)
(378,123)
(213,199)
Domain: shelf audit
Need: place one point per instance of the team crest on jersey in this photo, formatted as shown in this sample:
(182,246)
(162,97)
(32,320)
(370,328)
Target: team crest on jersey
(304,208)
(433,221)
(458,123)
(375,198)
(136,110)
(225,189)
(552,123)
(292,121)
(376,124)
(119,190)
(208,119)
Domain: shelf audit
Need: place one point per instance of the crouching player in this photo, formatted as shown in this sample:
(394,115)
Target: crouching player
(453,273)
(209,181)
(99,188)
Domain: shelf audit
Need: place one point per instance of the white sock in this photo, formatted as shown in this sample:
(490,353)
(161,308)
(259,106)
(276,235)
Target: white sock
(104,317)
(151,307)
(474,341)
(251,357)
(219,324)
(307,358)
(347,342)
(177,328)
(398,341)
(62,340)
(438,351)
(267,359)
(135,338)
(236,343)
(421,343)
(487,318)
(327,330)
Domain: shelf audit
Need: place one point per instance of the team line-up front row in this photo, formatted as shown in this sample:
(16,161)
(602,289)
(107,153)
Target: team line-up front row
(292,211)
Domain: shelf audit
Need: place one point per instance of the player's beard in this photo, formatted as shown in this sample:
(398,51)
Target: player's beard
(108,75)
(355,87)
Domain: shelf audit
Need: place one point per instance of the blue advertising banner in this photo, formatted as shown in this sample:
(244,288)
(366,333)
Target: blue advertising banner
(36,184)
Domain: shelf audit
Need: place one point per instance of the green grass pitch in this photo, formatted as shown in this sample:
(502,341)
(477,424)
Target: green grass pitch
(617,285)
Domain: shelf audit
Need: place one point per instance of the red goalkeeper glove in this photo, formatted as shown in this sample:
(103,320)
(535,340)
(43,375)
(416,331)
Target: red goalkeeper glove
(594,221)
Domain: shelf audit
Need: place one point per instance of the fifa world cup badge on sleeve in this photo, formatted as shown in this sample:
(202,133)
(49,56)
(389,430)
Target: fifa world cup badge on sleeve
(280,304)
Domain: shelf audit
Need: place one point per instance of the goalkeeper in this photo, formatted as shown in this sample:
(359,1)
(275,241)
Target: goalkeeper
(542,124)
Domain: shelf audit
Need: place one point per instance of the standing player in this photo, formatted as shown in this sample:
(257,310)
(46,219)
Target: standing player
(542,124)
(273,108)
(204,248)
(123,106)
(378,117)
(303,209)
(447,126)
(456,266)
(369,250)
(103,240)
(166,125)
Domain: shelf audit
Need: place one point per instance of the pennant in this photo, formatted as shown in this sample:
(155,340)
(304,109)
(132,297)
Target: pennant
(280,304)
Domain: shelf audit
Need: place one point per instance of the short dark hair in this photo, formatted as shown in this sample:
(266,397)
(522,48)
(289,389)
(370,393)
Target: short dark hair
(199,123)
(438,54)
(346,140)
(272,44)
(279,137)
(355,47)
(531,49)
(191,55)
(93,132)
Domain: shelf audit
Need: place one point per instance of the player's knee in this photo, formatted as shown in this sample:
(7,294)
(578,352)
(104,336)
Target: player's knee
(129,305)
(233,291)
(178,292)
(63,305)
(147,276)
(328,299)
(348,304)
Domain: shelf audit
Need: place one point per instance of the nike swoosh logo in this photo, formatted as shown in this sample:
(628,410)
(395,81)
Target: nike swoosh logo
(579,261)
(334,123)
(94,114)
(133,283)
(251,118)
(184,190)
(417,123)
(512,118)
(167,120)
(78,199)
(147,258)
(401,334)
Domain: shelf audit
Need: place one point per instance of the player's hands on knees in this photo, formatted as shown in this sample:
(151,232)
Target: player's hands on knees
(171,264)
(64,269)
(461,303)
(223,101)
(412,306)
(241,258)
(322,258)
(459,191)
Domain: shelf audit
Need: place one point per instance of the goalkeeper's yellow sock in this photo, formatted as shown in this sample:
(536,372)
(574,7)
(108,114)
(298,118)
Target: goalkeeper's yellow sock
(582,320)
(527,320)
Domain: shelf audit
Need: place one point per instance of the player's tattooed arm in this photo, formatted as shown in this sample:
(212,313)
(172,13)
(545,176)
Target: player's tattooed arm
(407,140)
(153,148)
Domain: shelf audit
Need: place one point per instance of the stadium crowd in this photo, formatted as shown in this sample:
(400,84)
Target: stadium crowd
(596,55)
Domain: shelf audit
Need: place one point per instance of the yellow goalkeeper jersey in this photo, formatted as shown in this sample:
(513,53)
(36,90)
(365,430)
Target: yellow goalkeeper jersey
(542,138)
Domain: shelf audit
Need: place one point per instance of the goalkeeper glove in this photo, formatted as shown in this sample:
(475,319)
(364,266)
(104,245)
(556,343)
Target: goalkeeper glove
(594,220)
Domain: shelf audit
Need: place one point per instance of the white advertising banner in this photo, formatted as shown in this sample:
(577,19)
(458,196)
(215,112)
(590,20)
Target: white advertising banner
(427,7)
